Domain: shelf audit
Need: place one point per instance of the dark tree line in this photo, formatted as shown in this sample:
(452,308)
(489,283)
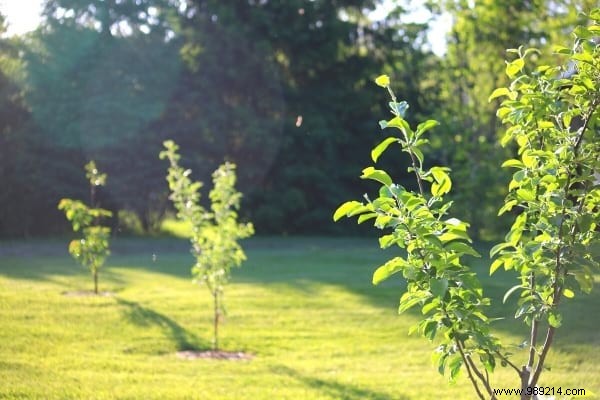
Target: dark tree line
(283,88)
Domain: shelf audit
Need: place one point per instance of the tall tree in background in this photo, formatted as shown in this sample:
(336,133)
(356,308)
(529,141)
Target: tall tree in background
(19,194)
(98,79)
(272,85)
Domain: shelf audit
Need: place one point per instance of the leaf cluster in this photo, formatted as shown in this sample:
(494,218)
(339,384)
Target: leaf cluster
(215,232)
(92,249)
(445,289)
(552,114)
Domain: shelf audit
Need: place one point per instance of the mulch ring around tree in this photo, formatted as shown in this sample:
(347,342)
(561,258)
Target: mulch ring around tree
(215,355)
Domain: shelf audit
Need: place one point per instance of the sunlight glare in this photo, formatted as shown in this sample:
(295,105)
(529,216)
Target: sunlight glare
(22,15)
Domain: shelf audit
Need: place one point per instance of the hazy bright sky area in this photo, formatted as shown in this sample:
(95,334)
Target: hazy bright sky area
(24,16)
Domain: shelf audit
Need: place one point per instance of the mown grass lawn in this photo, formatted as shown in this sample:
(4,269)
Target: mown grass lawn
(304,307)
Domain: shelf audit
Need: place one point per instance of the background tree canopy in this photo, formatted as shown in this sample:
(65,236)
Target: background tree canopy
(281,88)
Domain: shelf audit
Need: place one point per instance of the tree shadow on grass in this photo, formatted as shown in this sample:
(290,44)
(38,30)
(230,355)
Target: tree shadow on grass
(144,316)
(335,389)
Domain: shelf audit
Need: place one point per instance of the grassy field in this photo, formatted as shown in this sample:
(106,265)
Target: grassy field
(304,307)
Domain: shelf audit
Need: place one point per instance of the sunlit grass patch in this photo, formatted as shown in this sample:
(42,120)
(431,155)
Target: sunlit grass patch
(303,307)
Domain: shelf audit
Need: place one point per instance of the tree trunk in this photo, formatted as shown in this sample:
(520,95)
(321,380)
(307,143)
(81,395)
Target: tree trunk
(96,282)
(216,321)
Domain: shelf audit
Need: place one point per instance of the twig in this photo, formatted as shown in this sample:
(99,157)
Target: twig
(507,361)
(473,381)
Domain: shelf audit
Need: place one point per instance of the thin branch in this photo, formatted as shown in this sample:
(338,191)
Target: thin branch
(412,155)
(419,180)
(547,343)
(507,361)
(532,343)
(485,382)
(471,377)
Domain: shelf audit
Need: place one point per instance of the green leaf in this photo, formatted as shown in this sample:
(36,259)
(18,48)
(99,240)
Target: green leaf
(453,235)
(345,209)
(430,329)
(511,291)
(400,123)
(494,250)
(554,319)
(442,184)
(512,163)
(389,268)
(387,240)
(409,300)
(561,49)
(381,147)
(454,365)
(495,265)
(498,93)
(525,194)
(582,32)
(376,175)
(425,126)
(430,306)
(438,287)
(513,68)
(365,217)
(383,80)
(461,247)
(507,207)
(545,125)
(457,224)
(568,293)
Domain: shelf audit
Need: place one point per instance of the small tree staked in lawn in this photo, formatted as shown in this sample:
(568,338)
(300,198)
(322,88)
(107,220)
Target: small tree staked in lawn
(215,233)
(553,117)
(93,248)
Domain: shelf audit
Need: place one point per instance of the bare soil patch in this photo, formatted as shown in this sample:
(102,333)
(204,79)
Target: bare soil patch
(215,355)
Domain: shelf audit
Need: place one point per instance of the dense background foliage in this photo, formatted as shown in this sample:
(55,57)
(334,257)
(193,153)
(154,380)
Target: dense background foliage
(281,88)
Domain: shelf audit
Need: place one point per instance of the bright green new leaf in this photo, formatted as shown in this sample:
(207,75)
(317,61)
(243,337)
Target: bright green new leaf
(512,163)
(381,147)
(525,194)
(461,247)
(365,217)
(376,175)
(400,123)
(389,268)
(507,206)
(495,265)
(498,93)
(453,235)
(456,224)
(409,300)
(345,209)
(500,246)
(568,293)
(554,319)
(513,68)
(442,184)
(383,81)
(425,126)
